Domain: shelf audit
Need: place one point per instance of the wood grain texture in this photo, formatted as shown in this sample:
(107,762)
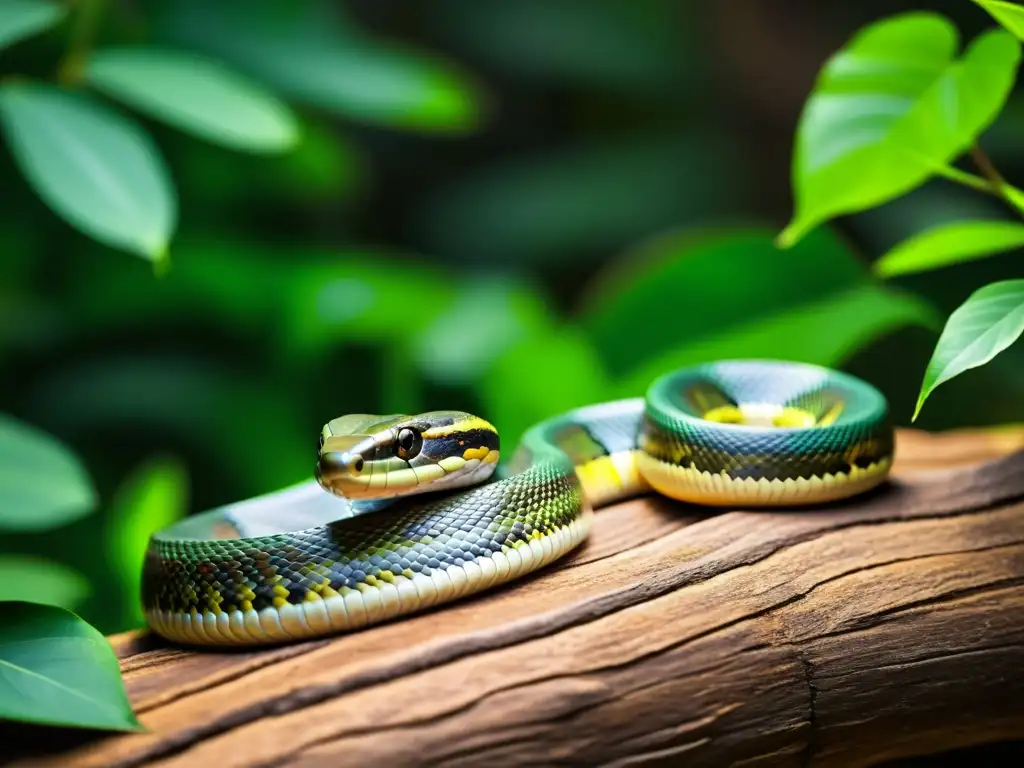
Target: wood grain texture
(887,626)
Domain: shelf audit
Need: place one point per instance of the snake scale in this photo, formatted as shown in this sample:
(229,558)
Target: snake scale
(415,514)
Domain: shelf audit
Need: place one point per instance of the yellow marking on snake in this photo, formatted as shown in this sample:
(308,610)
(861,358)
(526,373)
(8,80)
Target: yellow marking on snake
(465,425)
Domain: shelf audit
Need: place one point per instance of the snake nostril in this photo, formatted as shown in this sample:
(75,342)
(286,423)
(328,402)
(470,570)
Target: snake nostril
(336,463)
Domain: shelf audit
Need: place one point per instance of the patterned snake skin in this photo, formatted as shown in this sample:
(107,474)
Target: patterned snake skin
(239,575)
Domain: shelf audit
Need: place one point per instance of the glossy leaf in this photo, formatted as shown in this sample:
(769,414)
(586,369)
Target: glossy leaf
(978,330)
(306,53)
(821,331)
(950,244)
(42,484)
(692,285)
(196,95)
(23,18)
(1010,15)
(152,497)
(55,669)
(92,166)
(887,110)
(544,374)
(23,577)
(486,317)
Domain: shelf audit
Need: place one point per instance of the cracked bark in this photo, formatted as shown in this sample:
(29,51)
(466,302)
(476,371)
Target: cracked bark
(889,626)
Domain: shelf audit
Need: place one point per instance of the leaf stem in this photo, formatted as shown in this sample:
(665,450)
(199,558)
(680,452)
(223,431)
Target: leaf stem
(988,170)
(83,34)
(997,184)
(965,178)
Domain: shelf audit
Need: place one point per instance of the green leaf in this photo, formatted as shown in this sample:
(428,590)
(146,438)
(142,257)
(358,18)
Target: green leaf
(1010,15)
(23,577)
(93,167)
(950,244)
(553,370)
(892,106)
(55,669)
(978,330)
(309,55)
(42,484)
(196,95)
(693,288)
(23,18)
(824,332)
(154,496)
(487,317)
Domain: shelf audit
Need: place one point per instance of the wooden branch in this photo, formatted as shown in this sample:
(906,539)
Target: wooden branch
(888,626)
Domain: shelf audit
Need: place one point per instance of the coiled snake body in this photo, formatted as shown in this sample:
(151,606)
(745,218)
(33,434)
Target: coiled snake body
(301,563)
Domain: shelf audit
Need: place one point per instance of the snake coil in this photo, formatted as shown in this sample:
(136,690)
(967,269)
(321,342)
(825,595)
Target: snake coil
(381,542)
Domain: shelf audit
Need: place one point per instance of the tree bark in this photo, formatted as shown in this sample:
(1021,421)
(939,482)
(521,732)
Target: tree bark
(891,625)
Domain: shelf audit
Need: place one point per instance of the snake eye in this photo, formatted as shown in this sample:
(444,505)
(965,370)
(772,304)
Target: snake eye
(408,443)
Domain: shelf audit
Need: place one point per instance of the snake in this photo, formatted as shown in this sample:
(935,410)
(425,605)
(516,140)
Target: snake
(408,512)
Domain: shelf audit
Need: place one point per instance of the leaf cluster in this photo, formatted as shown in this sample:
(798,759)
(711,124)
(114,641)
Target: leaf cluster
(898,105)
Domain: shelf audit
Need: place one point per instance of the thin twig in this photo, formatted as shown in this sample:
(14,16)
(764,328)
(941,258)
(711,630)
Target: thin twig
(995,179)
(984,163)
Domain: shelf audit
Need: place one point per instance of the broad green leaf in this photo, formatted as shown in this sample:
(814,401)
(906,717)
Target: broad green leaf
(154,496)
(485,318)
(195,94)
(1010,15)
(354,297)
(887,110)
(55,669)
(23,577)
(23,18)
(978,330)
(690,286)
(307,54)
(42,484)
(92,166)
(950,244)
(824,332)
(544,374)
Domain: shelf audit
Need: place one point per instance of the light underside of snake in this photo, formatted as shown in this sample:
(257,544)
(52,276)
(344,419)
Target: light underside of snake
(415,515)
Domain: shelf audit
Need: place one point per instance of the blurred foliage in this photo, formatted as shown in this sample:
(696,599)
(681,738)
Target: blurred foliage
(511,209)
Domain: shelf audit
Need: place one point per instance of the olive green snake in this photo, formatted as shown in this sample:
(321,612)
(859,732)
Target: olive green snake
(415,514)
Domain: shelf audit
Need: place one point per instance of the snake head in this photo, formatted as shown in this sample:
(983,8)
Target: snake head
(366,456)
